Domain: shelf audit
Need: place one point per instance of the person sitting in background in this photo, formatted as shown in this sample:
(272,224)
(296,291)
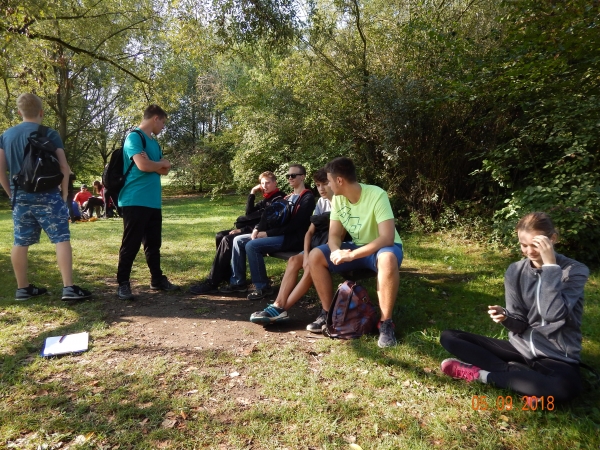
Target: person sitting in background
(221,267)
(544,307)
(95,202)
(289,237)
(82,196)
(292,290)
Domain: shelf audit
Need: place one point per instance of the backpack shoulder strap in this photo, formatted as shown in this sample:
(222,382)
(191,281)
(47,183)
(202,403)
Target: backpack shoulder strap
(42,131)
(297,202)
(141,135)
(143,138)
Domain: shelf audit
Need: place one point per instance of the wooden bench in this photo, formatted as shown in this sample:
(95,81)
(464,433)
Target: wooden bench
(354,275)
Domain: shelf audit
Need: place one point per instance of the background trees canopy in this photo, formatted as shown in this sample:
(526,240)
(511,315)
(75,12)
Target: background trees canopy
(460,109)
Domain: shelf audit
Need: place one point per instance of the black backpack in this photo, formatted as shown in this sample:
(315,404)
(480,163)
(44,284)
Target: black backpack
(40,171)
(113,178)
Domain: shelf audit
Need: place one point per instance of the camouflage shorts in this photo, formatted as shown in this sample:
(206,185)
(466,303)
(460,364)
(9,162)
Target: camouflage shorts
(42,211)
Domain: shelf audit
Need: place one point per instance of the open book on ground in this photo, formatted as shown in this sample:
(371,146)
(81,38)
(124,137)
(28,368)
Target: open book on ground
(69,343)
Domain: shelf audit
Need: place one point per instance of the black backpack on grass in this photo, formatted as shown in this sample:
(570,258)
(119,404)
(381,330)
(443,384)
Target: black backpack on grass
(40,171)
(113,178)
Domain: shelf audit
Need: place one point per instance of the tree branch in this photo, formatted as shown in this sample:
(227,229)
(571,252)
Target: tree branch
(87,52)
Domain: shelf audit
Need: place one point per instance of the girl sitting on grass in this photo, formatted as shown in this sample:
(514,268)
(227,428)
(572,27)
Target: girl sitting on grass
(544,305)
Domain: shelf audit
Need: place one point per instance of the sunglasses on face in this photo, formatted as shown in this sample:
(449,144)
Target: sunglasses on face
(293,175)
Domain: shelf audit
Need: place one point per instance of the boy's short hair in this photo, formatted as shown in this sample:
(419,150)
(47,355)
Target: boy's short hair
(267,174)
(342,167)
(320,176)
(29,105)
(154,110)
(300,167)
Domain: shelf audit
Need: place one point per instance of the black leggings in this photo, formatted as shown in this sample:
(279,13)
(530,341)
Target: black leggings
(545,376)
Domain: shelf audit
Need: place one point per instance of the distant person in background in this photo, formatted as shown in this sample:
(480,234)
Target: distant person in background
(141,201)
(221,267)
(292,290)
(95,203)
(36,211)
(544,307)
(82,197)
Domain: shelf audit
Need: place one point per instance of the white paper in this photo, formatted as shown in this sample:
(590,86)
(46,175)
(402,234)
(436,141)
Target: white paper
(71,343)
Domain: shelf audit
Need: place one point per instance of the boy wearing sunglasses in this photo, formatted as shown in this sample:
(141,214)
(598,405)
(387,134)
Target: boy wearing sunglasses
(289,237)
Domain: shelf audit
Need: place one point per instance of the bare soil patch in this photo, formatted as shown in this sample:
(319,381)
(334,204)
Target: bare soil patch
(184,321)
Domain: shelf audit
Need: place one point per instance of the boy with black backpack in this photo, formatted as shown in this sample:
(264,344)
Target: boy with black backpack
(37,206)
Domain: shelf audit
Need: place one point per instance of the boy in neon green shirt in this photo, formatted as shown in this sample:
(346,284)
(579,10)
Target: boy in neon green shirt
(364,211)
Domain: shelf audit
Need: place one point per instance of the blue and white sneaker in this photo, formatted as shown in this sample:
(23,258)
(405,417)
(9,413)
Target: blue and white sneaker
(270,314)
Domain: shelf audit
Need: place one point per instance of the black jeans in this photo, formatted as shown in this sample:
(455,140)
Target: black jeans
(221,267)
(141,225)
(546,377)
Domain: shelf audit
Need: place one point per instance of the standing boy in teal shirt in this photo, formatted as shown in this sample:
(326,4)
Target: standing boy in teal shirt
(141,200)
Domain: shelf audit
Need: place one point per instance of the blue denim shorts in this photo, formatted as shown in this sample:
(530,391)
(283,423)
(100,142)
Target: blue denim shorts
(368,262)
(34,212)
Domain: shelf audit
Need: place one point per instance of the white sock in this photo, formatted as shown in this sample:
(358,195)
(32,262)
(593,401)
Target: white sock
(483,374)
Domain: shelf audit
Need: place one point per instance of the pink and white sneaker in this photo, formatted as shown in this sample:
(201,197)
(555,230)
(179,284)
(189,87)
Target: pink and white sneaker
(460,370)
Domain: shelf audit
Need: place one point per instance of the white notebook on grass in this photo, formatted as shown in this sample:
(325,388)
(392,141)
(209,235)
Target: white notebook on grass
(69,343)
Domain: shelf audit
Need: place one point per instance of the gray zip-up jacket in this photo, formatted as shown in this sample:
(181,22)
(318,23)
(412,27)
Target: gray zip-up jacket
(544,308)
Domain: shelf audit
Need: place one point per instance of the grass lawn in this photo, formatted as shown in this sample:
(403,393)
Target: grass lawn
(284,393)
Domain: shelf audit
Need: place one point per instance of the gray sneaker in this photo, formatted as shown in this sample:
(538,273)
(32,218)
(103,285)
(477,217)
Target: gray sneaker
(387,337)
(269,315)
(124,291)
(75,293)
(317,325)
(28,292)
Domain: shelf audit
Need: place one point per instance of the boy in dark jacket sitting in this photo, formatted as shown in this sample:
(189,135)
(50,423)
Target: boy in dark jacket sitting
(221,268)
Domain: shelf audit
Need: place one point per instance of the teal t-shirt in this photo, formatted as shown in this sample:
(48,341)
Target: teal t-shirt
(141,188)
(360,219)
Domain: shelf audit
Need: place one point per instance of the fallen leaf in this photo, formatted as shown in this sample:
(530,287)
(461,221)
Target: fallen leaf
(406,383)
(144,422)
(168,423)
(183,415)
(355,447)
(427,370)
(234,374)
(503,417)
(41,392)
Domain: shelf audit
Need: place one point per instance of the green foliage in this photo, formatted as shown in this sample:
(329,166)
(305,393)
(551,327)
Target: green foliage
(546,90)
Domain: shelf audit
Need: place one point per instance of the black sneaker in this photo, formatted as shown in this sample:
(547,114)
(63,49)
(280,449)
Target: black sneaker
(231,288)
(124,291)
(28,292)
(317,325)
(75,293)
(260,293)
(204,288)
(163,285)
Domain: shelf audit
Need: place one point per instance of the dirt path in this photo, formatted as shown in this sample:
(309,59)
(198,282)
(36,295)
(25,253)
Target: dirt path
(184,321)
